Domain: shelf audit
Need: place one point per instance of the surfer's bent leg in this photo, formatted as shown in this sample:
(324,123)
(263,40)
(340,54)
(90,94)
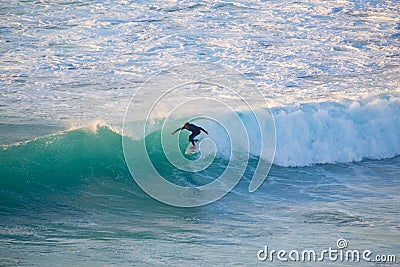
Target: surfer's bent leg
(192,136)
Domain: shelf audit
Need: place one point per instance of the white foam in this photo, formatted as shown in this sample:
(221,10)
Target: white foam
(91,126)
(337,132)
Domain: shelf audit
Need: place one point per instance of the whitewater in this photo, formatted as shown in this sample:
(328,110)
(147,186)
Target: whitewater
(305,93)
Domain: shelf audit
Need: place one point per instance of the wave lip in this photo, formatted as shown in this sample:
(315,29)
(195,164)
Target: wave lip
(330,132)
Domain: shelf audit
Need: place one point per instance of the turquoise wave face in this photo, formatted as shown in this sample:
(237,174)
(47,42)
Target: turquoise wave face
(62,160)
(70,160)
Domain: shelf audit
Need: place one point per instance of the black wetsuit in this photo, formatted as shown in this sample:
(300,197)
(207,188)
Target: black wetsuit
(196,130)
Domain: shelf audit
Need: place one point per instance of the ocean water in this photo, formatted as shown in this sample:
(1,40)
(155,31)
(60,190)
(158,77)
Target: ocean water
(89,89)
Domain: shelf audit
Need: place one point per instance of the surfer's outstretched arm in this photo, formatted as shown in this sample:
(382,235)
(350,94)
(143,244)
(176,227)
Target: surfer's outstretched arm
(177,130)
(203,130)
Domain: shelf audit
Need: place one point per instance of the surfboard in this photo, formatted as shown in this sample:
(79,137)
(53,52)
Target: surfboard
(191,151)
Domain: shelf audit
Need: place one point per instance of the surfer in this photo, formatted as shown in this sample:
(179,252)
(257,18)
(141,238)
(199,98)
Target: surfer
(196,130)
